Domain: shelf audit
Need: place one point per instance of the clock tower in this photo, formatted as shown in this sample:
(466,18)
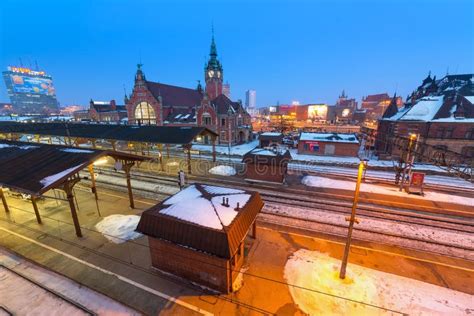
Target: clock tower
(213,73)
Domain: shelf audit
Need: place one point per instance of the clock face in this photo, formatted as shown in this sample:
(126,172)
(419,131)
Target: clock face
(211,73)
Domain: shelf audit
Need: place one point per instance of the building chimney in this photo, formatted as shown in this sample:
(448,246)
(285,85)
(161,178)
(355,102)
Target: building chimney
(113,106)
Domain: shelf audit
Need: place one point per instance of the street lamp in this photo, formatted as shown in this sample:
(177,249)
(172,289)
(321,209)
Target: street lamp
(352,219)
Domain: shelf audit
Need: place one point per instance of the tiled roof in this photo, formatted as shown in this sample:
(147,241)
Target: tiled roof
(222,104)
(175,96)
(376,97)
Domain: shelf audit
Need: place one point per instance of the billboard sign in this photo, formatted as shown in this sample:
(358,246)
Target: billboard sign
(317,112)
(32,85)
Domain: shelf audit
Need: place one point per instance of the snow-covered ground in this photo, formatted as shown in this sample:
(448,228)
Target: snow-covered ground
(316,181)
(238,150)
(319,291)
(25,298)
(222,170)
(378,174)
(119,228)
(385,226)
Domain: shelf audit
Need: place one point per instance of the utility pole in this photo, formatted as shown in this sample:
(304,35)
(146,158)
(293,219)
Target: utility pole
(352,220)
(229,132)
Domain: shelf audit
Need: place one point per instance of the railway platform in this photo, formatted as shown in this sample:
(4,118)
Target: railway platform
(122,271)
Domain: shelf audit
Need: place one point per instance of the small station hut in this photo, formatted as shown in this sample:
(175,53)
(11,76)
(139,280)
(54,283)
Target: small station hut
(266,165)
(199,233)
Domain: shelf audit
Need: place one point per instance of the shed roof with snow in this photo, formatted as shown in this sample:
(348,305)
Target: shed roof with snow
(35,168)
(269,156)
(271,136)
(329,137)
(197,218)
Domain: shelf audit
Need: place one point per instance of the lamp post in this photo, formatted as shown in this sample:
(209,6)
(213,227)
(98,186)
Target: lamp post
(352,220)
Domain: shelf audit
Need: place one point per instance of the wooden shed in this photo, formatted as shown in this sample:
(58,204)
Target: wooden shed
(198,234)
(269,139)
(267,165)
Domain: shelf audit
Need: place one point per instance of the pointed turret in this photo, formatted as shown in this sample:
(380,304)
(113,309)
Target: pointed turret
(392,108)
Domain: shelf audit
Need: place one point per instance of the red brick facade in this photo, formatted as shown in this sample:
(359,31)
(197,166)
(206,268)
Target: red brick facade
(336,149)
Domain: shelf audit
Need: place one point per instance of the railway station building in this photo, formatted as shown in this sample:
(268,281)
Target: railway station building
(153,103)
(199,234)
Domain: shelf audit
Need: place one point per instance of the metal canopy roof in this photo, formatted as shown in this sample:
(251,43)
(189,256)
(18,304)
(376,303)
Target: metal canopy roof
(146,134)
(35,168)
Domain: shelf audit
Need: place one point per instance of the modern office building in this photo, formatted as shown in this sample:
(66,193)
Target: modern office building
(30,91)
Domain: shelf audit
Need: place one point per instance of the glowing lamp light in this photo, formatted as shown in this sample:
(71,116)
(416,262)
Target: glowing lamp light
(412,136)
(100,161)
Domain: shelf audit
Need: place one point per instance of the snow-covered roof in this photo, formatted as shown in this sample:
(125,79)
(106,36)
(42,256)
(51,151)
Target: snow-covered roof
(271,134)
(197,218)
(470,98)
(190,205)
(329,137)
(424,110)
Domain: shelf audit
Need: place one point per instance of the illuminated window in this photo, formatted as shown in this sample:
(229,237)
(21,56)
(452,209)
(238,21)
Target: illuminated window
(144,113)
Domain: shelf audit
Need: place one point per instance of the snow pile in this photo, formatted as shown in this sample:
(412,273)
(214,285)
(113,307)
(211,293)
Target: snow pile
(55,177)
(239,150)
(77,151)
(319,291)
(119,228)
(315,181)
(223,170)
(189,205)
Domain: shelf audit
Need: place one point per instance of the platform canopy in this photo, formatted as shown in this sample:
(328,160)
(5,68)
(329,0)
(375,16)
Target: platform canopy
(197,218)
(178,135)
(35,168)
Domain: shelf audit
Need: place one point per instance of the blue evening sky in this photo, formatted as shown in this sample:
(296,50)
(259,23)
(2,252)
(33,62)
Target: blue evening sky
(286,50)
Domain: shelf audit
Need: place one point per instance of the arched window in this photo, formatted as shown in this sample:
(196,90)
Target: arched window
(144,113)
(206,119)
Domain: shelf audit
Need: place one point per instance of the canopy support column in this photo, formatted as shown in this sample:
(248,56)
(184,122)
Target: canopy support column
(94,188)
(187,148)
(4,201)
(213,139)
(35,207)
(67,187)
(167,151)
(160,148)
(127,165)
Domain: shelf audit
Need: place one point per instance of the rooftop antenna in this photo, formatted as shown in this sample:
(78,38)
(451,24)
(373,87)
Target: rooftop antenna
(36,65)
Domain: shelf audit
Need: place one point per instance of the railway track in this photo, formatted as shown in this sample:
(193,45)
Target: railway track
(298,196)
(311,169)
(55,294)
(400,216)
